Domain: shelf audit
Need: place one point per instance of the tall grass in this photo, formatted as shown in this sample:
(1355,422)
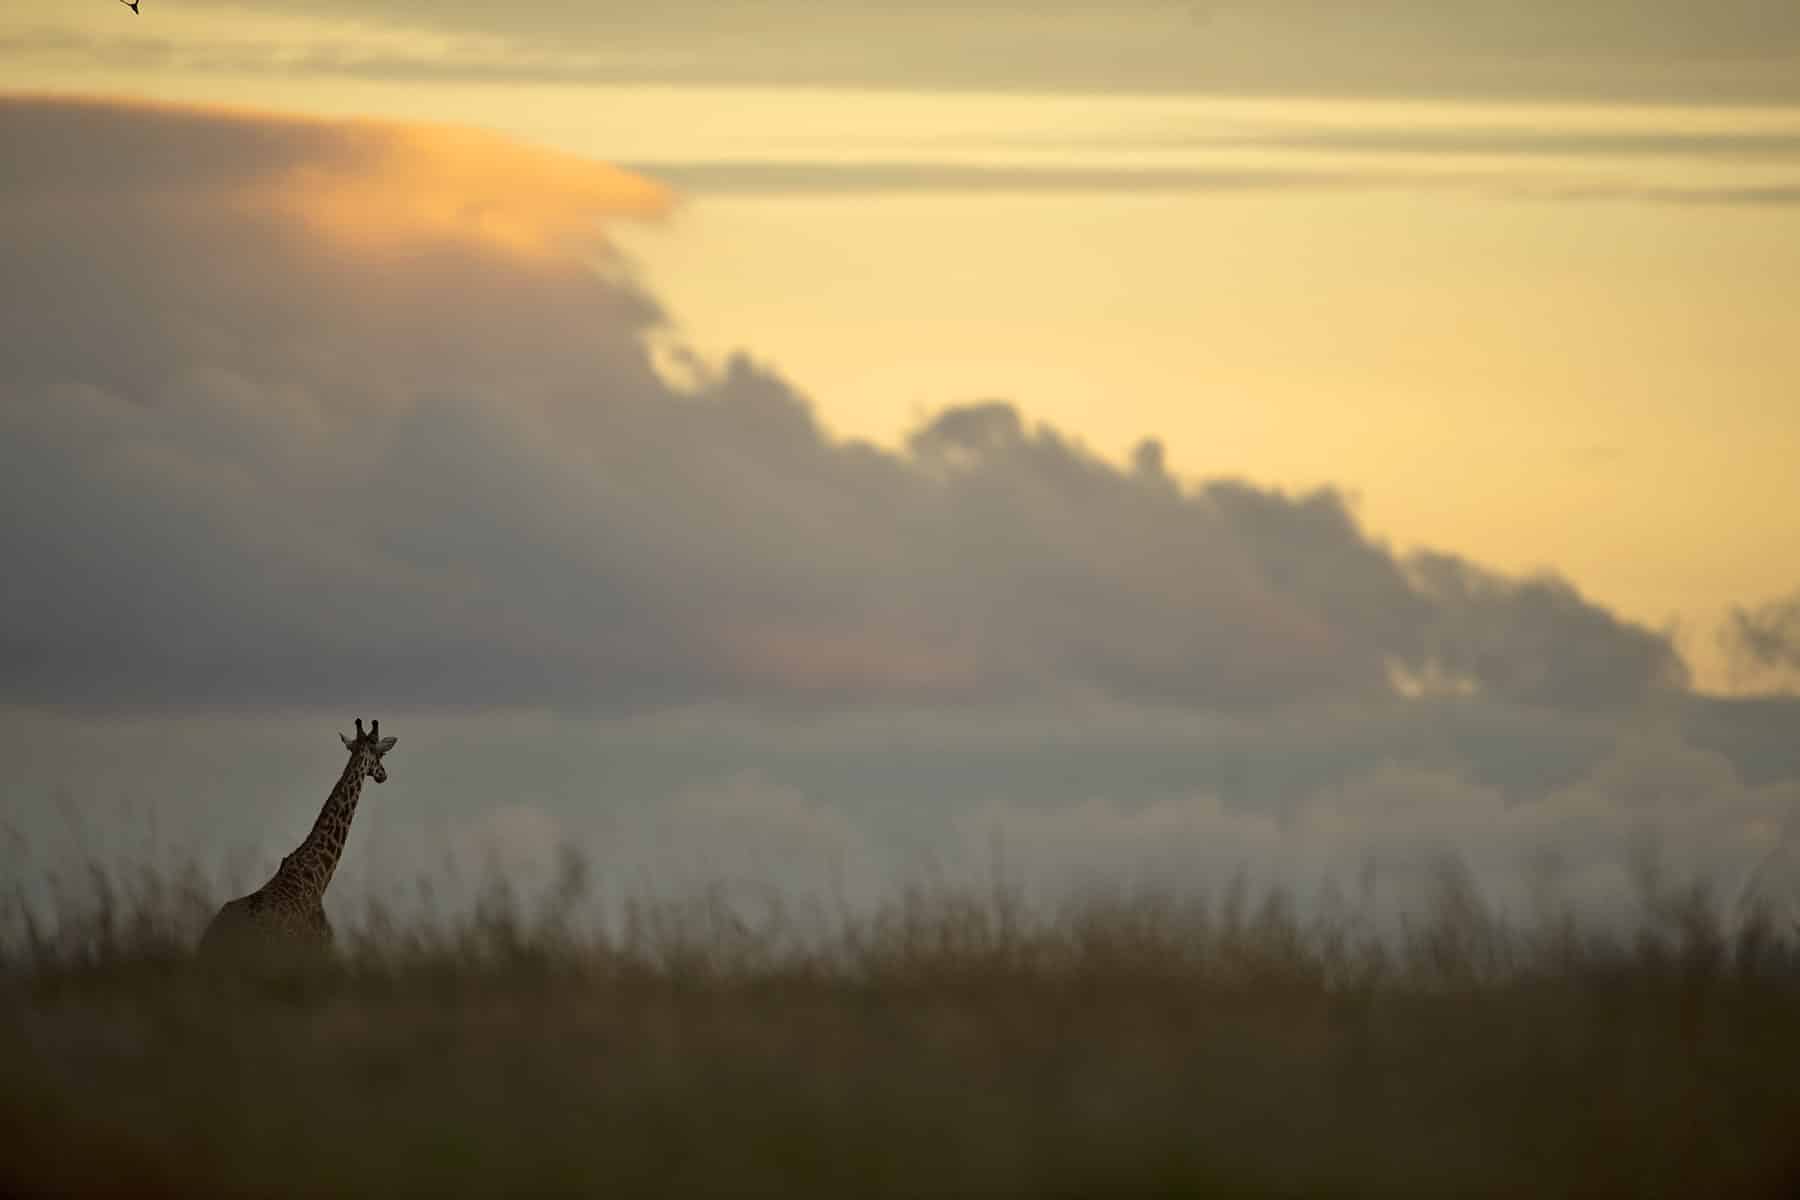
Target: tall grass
(951,1040)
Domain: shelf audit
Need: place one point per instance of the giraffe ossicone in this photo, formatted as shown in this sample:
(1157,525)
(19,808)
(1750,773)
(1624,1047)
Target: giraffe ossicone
(289,910)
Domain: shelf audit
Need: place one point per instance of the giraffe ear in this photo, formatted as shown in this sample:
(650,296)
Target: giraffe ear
(384,745)
(348,744)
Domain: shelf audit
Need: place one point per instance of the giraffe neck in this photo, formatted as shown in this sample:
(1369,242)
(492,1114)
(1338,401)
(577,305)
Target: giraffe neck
(310,867)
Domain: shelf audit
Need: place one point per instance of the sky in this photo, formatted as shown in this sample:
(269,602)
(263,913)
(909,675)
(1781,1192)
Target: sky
(1158,436)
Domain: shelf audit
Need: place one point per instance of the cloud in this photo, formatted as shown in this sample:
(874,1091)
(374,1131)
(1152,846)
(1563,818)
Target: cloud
(1536,640)
(371,182)
(518,842)
(1727,196)
(1767,145)
(1384,835)
(1742,50)
(853,178)
(825,176)
(1766,637)
(743,828)
(294,411)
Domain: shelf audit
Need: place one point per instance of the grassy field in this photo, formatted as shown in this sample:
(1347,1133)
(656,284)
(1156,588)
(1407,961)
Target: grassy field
(949,1043)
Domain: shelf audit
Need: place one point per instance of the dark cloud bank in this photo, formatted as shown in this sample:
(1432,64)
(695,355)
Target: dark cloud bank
(252,464)
(258,467)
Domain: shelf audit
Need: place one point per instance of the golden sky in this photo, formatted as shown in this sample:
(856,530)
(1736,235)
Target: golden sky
(1549,320)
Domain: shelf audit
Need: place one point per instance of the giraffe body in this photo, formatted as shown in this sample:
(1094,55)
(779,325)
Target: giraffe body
(289,911)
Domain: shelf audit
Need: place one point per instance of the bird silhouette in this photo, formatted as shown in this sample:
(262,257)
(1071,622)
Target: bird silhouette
(131,4)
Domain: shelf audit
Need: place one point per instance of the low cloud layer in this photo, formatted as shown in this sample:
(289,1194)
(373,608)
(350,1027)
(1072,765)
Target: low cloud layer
(1370,804)
(296,411)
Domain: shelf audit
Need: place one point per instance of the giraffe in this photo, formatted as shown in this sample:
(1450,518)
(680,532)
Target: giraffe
(289,909)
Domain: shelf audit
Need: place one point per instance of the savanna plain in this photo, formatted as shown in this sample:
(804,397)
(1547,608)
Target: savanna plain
(1218,1041)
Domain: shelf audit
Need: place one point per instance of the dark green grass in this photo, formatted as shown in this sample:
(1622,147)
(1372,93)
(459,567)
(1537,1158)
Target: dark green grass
(949,1043)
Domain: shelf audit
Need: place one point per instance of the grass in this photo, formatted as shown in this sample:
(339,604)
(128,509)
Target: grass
(949,1042)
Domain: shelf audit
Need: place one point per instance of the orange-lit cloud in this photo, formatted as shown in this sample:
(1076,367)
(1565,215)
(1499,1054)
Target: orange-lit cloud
(366,182)
(412,180)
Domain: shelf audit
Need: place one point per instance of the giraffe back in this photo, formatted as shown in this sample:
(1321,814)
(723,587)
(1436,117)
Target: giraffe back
(262,921)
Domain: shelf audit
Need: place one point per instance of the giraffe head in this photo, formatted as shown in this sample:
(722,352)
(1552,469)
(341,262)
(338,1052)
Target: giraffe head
(366,750)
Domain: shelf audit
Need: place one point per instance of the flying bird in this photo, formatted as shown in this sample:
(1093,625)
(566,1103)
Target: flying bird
(131,4)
